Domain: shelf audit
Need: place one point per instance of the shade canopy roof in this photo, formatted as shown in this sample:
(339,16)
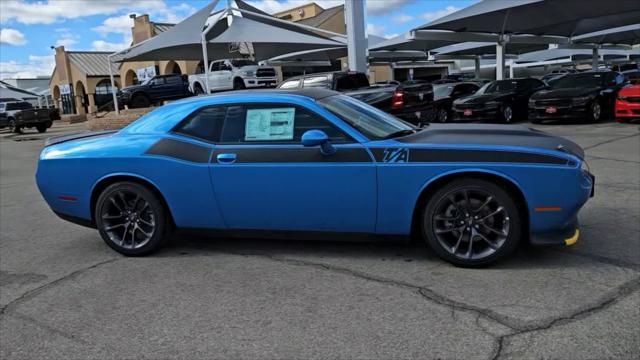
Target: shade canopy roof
(485,48)
(228,27)
(540,17)
(627,35)
(573,54)
(407,41)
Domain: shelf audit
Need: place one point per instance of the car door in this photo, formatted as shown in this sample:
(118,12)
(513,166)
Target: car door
(157,87)
(264,178)
(214,80)
(224,77)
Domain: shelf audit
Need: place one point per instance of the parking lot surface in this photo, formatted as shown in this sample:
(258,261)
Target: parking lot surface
(65,294)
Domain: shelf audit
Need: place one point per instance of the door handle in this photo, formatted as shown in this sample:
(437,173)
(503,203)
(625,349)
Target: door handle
(226,158)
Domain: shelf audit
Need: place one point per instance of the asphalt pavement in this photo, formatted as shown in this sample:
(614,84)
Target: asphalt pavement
(64,294)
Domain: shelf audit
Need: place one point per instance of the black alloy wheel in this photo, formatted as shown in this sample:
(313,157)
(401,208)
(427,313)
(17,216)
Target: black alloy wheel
(140,101)
(42,127)
(131,219)
(443,115)
(13,127)
(507,113)
(595,111)
(471,222)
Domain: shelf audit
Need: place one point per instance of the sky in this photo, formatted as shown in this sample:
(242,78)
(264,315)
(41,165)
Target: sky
(29,28)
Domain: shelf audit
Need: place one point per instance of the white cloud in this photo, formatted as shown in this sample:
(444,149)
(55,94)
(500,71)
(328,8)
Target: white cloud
(402,18)
(12,37)
(67,38)
(37,65)
(101,45)
(51,11)
(375,29)
(433,15)
(374,7)
(118,24)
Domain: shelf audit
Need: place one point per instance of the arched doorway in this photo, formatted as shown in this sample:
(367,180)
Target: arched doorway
(82,100)
(103,94)
(130,78)
(172,68)
(55,95)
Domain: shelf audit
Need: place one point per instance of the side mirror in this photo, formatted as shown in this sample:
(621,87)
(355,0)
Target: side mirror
(313,138)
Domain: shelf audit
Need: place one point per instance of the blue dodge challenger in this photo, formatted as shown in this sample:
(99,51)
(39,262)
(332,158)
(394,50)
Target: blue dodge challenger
(313,163)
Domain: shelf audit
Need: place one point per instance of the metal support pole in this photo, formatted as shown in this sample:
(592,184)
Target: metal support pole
(511,76)
(500,60)
(356,35)
(595,58)
(477,67)
(205,60)
(113,86)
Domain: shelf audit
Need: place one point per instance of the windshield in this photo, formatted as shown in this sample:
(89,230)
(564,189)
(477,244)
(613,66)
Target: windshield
(579,80)
(351,81)
(502,86)
(371,122)
(241,63)
(442,91)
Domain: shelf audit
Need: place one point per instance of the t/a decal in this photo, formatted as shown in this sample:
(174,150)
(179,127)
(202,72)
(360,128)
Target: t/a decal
(396,155)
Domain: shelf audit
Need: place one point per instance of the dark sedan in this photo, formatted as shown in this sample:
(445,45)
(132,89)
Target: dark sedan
(501,100)
(445,94)
(590,95)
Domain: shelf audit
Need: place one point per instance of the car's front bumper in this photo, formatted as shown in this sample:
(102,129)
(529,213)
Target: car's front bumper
(257,82)
(625,109)
(551,111)
(490,114)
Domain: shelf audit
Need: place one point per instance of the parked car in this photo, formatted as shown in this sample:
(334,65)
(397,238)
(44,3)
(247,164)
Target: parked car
(21,114)
(632,75)
(155,90)
(314,163)
(588,95)
(502,100)
(234,74)
(628,103)
(556,74)
(410,100)
(445,94)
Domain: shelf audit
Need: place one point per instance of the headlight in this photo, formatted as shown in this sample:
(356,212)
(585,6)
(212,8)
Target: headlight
(249,73)
(492,104)
(580,100)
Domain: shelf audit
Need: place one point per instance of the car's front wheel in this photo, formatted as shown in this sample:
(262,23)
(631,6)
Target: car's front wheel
(14,127)
(443,115)
(507,113)
(471,222)
(595,111)
(131,219)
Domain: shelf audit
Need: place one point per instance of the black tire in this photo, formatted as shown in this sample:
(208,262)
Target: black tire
(13,127)
(130,206)
(197,89)
(238,84)
(140,101)
(471,218)
(595,111)
(506,113)
(443,115)
(42,127)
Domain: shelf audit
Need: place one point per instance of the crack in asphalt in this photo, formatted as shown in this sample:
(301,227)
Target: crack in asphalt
(34,292)
(48,328)
(607,301)
(516,326)
(592,157)
(609,141)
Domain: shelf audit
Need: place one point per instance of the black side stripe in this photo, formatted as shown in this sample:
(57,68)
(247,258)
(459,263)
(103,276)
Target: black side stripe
(293,155)
(455,155)
(180,150)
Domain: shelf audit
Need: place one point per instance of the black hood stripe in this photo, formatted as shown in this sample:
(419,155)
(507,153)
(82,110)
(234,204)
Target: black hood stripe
(413,155)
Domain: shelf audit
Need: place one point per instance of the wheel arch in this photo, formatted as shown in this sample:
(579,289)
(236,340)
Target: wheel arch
(105,181)
(434,184)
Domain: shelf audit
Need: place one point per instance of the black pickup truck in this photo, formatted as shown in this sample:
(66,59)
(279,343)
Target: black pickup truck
(17,115)
(155,90)
(410,101)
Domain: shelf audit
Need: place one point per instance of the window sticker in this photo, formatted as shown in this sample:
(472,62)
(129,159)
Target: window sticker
(269,124)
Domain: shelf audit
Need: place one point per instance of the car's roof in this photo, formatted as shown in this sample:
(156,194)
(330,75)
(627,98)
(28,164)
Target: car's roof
(315,93)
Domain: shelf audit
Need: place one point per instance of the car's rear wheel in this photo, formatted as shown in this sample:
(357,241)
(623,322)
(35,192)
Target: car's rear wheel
(507,113)
(42,127)
(471,222)
(131,219)
(140,101)
(595,111)
(443,115)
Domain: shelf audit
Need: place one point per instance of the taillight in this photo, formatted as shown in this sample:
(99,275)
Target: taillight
(397,100)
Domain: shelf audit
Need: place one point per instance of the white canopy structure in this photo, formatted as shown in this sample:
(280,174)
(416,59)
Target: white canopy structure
(206,35)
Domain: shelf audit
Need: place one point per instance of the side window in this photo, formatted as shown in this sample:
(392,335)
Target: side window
(157,81)
(225,66)
(204,124)
(215,66)
(274,124)
(176,79)
(291,84)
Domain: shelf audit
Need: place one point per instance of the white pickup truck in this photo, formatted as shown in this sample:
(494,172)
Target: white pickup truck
(233,74)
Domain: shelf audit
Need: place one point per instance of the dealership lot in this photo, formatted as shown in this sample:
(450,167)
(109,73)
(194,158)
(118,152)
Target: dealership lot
(64,293)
